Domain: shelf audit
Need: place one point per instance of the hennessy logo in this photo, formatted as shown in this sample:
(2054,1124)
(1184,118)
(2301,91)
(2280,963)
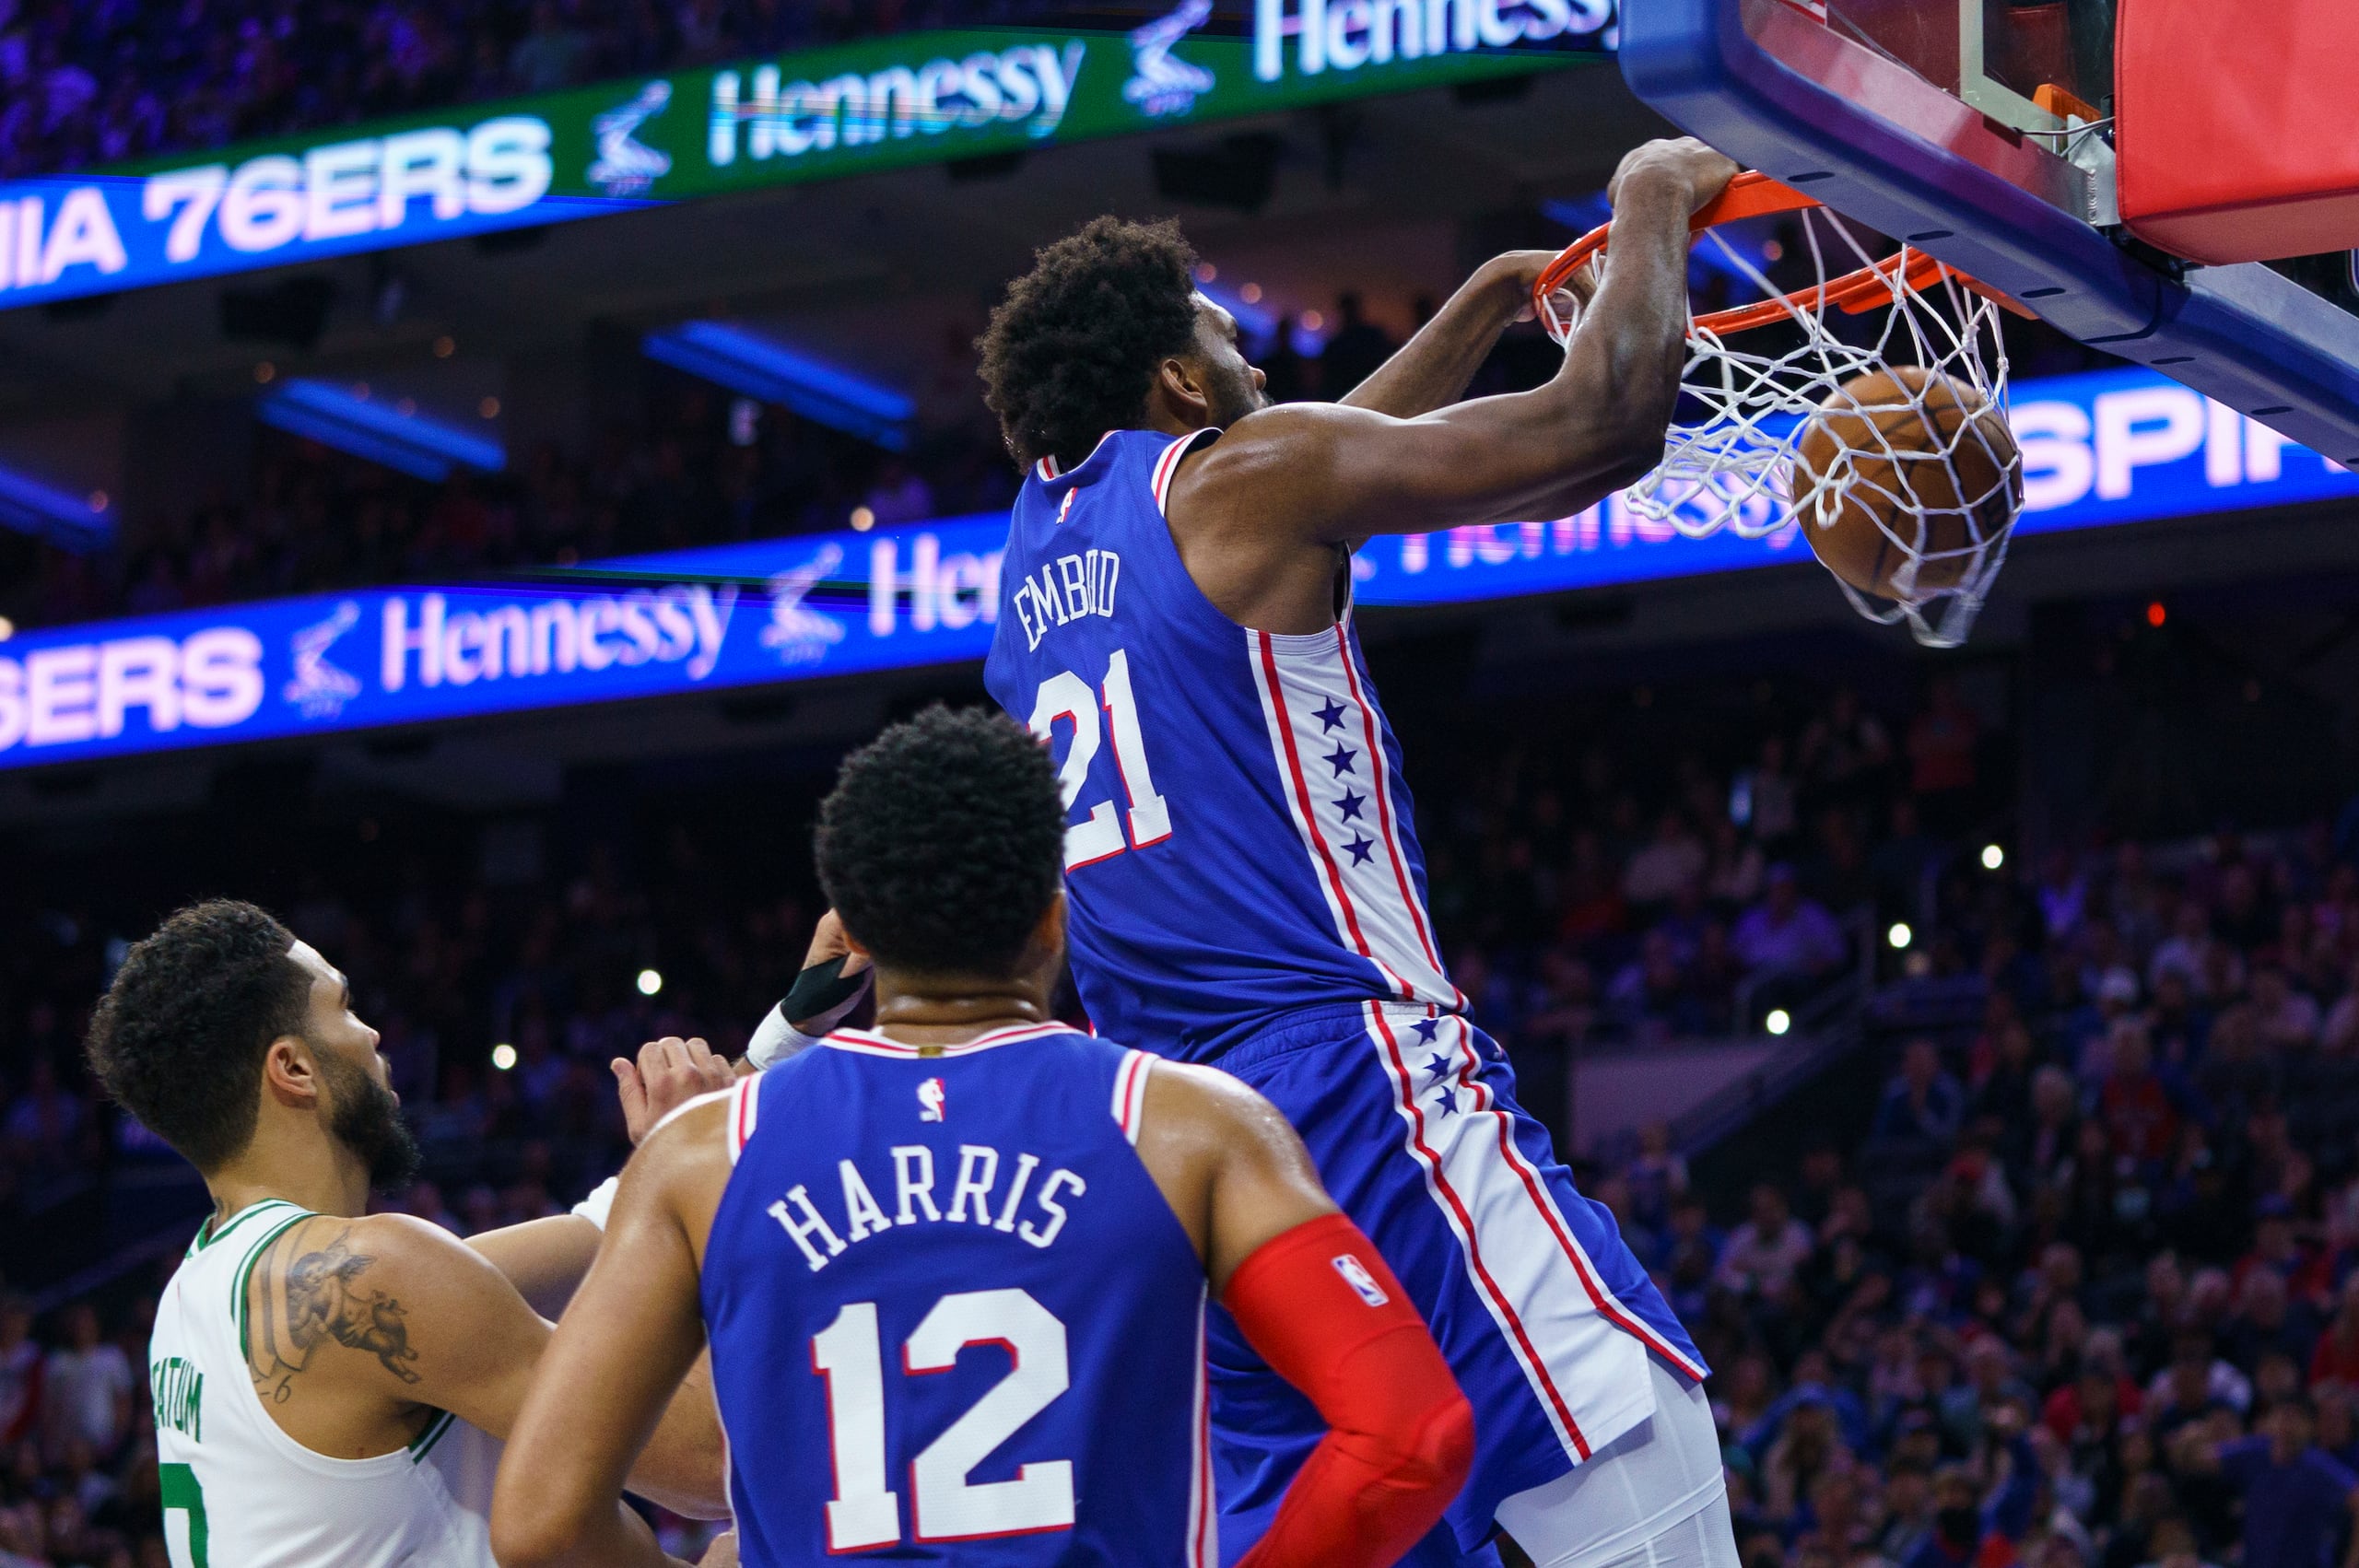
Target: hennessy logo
(1159,84)
(626,166)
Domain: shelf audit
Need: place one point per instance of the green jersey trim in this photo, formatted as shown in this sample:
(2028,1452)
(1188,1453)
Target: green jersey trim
(206,1235)
(423,1444)
(245,1271)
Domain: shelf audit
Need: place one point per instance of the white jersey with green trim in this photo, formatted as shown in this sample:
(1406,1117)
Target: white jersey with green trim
(239,1493)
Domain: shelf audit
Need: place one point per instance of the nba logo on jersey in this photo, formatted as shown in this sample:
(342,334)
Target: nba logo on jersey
(932,1100)
(1356,1275)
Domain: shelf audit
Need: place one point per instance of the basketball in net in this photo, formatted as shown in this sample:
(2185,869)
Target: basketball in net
(1867,410)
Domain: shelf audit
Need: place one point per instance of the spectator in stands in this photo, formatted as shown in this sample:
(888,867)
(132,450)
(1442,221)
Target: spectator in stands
(2195,955)
(45,1121)
(2287,1018)
(2139,1115)
(554,54)
(1902,861)
(1355,349)
(1672,861)
(2063,895)
(86,1389)
(2339,1033)
(1650,997)
(2336,1360)
(1846,754)
(1657,1178)
(1787,936)
(2298,1500)
(20,1371)
(1922,1105)
(1764,1254)
(1942,739)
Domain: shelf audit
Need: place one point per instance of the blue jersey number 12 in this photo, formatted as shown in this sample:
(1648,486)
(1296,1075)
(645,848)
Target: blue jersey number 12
(946,1505)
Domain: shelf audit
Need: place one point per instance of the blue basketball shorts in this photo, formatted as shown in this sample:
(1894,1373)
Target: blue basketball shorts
(1543,1312)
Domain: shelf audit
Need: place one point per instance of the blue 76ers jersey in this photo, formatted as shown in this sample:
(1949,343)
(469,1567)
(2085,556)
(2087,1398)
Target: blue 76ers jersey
(952,1316)
(1240,845)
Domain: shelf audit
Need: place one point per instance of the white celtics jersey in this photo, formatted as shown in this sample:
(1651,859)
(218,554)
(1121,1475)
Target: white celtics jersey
(239,1493)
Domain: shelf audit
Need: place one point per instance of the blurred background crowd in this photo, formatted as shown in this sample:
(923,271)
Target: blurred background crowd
(2051,1271)
(693,466)
(2044,1263)
(102,81)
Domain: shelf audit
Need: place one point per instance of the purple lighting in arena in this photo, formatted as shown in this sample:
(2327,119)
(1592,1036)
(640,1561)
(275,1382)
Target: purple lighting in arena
(408,443)
(79,524)
(765,368)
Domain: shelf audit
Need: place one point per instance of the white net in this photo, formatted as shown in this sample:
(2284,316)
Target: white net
(1914,455)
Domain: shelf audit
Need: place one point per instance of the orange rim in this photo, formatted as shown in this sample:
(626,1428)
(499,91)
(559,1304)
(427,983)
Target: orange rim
(1755,195)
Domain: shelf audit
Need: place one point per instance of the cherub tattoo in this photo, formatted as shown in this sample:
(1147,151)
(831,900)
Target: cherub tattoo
(320,1297)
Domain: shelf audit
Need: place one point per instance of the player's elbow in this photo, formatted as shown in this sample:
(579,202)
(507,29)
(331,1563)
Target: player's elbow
(533,1532)
(1634,448)
(1422,1451)
(1444,1447)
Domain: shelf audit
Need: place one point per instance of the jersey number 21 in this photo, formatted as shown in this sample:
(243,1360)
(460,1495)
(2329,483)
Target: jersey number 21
(1066,699)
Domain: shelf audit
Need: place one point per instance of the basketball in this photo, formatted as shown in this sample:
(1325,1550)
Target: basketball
(1933,472)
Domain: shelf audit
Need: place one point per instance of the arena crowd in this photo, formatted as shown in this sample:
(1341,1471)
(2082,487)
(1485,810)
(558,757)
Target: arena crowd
(2072,1292)
(103,81)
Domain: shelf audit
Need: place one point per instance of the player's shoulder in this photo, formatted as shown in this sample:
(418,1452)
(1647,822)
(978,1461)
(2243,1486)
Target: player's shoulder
(1286,444)
(386,1246)
(704,1132)
(1187,1100)
(325,1267)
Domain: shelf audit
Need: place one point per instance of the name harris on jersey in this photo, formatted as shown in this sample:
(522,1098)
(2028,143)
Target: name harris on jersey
(1065,588)
(1033,1214)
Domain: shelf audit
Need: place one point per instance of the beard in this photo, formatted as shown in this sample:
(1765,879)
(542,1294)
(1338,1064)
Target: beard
(367,1120)
(1232,398)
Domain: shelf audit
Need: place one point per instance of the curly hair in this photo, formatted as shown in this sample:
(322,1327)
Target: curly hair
(943,843)
(178,1038)
(1071,352)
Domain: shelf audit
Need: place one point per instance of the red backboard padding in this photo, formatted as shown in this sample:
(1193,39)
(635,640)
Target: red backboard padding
(2238,126)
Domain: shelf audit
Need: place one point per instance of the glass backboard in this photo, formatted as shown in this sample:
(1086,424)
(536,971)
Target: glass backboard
(1997,54)
(1980,131)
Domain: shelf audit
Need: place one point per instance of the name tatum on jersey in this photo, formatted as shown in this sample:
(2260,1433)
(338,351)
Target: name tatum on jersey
(178,1389)
(972,1202)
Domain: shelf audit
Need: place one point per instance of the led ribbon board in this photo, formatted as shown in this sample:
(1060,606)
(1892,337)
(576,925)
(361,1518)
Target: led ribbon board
(2111,448)
(828,114)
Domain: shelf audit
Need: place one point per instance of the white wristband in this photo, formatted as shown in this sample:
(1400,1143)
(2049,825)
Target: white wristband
(775,1039)
(599,1202)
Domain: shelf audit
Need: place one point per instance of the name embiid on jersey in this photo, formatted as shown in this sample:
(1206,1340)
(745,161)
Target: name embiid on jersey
(1258,765)
(1247,891)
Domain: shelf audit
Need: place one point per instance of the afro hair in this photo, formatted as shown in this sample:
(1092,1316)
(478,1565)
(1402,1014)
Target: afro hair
(942,844)
(1071,352)
(179,1037)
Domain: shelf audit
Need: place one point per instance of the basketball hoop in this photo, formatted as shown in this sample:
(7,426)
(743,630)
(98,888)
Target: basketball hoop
(1892,454)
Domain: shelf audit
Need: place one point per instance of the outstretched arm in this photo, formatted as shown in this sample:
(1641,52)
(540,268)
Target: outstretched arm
(615,1364)
(1432,368)
(1331,473)
(392,1308)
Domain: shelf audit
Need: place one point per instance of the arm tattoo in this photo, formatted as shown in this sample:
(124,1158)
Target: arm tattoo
(308,1297)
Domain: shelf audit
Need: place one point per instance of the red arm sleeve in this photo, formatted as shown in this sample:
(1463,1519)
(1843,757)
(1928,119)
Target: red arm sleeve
(1319,1307)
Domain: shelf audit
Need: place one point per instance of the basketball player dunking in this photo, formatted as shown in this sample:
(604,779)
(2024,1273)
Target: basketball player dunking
(1247,889)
